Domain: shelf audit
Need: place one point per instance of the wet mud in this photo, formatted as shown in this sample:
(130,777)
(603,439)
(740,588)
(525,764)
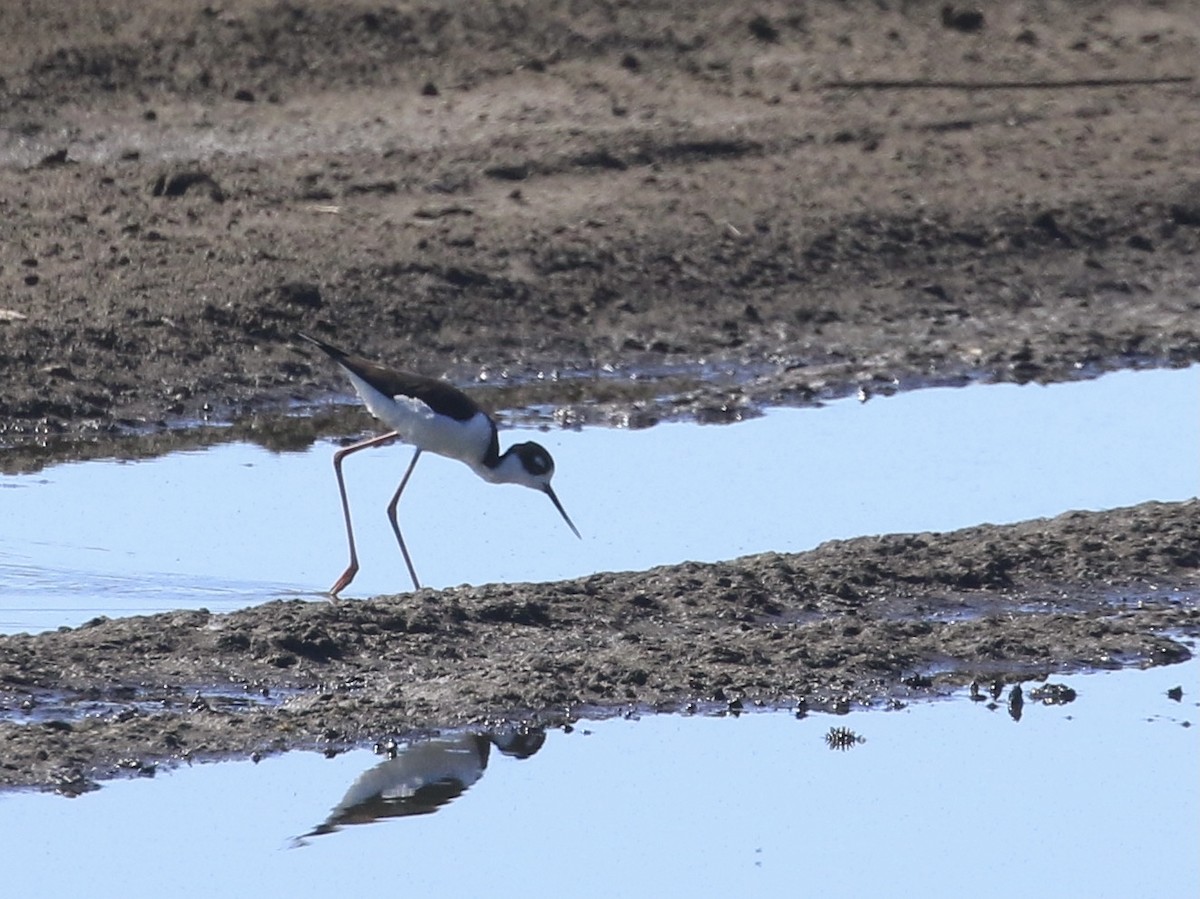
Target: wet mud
(869,621)
(617,214)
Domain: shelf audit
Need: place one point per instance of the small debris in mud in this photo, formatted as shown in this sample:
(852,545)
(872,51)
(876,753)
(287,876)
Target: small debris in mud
(763,29)
(967,21)
(70,782)
(176,184)
(57,158)
(137,766)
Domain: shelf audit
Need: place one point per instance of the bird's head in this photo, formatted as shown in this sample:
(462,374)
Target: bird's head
(534,467)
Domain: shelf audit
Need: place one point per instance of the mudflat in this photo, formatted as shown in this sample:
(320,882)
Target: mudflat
(742,206)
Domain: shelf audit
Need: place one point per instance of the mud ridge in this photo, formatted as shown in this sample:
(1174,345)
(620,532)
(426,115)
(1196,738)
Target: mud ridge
(854,622)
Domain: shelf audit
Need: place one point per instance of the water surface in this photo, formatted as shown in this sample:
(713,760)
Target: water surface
(237,525)
(1096,798)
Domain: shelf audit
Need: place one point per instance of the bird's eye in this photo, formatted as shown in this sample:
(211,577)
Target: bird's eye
(538,462)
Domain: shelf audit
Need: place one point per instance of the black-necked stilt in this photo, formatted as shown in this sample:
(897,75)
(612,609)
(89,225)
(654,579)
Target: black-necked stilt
(437,417)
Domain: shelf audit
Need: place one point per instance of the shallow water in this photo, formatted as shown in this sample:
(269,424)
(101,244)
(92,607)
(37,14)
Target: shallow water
(1098,797)
(238,525)
(1095,798)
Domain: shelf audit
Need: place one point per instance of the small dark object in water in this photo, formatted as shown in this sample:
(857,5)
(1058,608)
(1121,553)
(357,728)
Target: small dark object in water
(842,738)
(1053,694)
(1175,693)
(1016,702)
(389,747)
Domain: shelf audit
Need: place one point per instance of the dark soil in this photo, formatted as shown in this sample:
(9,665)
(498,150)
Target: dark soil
(497,190)
(743,205)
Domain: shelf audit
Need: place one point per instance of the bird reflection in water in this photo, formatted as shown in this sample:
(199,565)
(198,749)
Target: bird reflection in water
(421,777)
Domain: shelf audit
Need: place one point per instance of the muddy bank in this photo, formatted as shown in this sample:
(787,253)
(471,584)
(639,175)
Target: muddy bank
(494,191)
(852,622)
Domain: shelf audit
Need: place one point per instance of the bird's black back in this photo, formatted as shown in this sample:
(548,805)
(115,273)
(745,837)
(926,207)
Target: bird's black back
(442,398)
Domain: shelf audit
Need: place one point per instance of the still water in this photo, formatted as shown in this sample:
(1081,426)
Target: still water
(1096,798)
(238,525)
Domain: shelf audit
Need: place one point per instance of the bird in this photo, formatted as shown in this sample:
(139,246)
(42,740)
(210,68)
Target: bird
(433,416)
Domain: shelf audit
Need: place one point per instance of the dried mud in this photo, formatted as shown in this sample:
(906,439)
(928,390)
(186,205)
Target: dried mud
(740,206)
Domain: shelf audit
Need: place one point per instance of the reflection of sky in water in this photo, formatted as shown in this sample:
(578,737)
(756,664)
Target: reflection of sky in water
(237,525)
(1096,798)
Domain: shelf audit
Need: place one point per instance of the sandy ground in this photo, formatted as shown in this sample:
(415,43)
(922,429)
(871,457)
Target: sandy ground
(744,206)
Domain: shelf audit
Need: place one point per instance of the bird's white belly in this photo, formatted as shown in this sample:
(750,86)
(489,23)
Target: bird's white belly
(420,426)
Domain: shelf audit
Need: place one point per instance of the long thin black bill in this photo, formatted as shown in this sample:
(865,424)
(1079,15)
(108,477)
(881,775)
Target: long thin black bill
(563,512)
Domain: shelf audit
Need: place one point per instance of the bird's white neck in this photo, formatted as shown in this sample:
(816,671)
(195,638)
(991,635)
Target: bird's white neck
(508,470)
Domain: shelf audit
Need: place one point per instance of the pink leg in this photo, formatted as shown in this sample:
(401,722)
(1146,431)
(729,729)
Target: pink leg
(396,525)
(352,568)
